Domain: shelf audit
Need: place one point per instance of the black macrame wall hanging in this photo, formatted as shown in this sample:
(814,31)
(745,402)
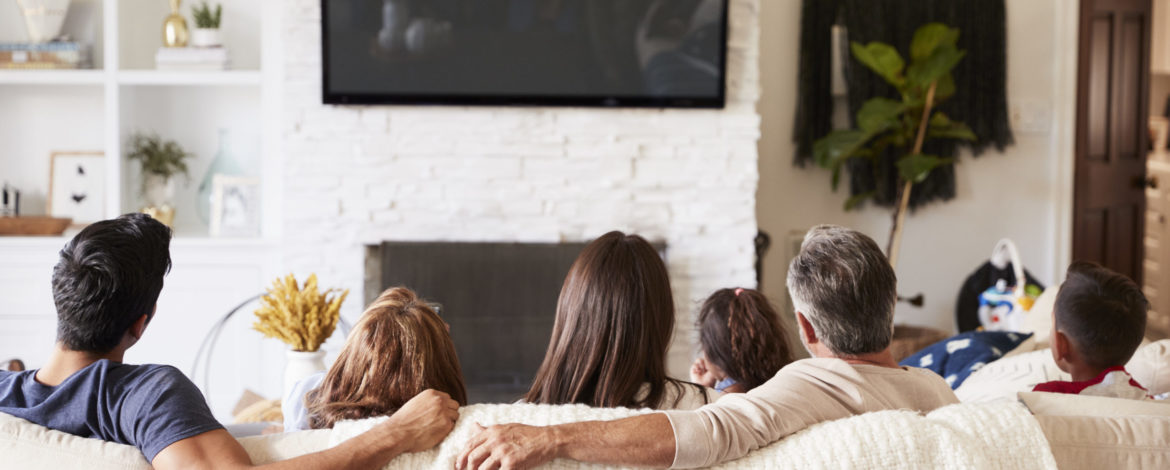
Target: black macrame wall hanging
(980,99)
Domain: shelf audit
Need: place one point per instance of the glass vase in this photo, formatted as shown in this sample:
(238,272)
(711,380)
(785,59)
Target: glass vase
(224,164)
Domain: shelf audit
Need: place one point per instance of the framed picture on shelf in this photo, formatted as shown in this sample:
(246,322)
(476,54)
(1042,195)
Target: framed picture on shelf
(235,206)
(77,186)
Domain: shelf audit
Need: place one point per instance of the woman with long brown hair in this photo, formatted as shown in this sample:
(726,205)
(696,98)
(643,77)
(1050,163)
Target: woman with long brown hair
(614,321)
(399,348)
(743,342)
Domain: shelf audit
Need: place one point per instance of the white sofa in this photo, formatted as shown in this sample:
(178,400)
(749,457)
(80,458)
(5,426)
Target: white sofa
(997,435)
(991,430)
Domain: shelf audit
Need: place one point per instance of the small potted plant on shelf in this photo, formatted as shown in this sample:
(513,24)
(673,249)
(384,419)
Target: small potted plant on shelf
(302,317)
(160,161)
(206,32)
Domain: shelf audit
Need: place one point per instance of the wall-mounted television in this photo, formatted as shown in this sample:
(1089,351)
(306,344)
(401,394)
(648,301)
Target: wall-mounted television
(638,53)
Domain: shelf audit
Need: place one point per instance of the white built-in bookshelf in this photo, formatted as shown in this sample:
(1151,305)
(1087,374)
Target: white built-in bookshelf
(46,111)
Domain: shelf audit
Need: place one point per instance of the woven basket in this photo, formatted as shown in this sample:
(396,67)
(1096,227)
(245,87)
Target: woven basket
(911,339)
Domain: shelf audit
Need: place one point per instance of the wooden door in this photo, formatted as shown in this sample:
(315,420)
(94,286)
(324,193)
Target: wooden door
(1112,110)
(1157,267)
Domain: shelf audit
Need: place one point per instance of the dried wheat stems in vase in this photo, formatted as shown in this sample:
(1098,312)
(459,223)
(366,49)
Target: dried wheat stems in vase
(302,317)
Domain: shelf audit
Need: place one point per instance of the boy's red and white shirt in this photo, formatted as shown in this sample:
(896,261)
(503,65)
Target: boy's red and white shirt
(1112,382)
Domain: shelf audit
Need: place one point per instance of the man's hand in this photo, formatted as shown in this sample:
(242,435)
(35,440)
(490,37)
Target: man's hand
(509,446)
(424,421)
(419,425)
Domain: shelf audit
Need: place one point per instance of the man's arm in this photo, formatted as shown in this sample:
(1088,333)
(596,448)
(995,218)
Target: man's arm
(420,424)
(719,432)
(646,440)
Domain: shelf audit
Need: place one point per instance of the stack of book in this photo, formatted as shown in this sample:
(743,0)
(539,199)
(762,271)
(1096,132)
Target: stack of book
(192,58)
(45,55)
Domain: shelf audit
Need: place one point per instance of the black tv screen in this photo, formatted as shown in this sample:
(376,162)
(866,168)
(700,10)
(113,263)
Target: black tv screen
(653,53)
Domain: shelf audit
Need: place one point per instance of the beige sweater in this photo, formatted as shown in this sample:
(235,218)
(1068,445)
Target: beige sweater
(682,396)
(802,394)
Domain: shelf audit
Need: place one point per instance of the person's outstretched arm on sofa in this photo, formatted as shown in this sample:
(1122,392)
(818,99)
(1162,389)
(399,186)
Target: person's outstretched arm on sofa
(420,424)
(645,440)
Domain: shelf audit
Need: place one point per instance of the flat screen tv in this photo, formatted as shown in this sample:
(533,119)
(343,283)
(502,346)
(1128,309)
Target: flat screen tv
(645,53)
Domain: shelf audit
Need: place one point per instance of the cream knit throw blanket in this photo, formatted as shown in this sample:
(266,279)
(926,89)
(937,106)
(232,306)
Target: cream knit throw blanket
(975,436)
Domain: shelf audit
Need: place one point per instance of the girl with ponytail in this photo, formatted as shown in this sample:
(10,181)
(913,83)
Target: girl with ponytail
(743,344)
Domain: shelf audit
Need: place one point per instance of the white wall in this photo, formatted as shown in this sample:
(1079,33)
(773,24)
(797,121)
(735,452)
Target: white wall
(358,175)
(25,155)
(1016,194)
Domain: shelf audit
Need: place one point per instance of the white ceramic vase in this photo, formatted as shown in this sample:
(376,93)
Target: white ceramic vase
(205,37)
(300,365)
(43,18)
(158,190)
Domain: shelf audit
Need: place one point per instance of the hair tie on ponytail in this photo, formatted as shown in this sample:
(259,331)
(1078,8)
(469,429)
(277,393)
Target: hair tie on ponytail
(738,291)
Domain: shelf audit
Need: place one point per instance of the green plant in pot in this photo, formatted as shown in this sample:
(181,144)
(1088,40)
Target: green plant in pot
(900,124)
(207,21)
(161,161)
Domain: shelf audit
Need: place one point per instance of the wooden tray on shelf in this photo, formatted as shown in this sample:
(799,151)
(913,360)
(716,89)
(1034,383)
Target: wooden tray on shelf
(33,225)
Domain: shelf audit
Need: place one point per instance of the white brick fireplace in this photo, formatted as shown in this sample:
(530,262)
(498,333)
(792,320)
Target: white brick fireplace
(360,175)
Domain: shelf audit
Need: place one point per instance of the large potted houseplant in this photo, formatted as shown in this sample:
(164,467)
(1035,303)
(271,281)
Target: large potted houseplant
(160,161)
(898,128)
(303,317)
(207,20)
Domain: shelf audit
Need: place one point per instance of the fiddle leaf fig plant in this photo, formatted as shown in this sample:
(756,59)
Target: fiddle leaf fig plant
(900,123)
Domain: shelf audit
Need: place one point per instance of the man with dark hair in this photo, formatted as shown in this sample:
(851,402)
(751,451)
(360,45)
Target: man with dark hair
(105,288)
(844,291)
(1097,324)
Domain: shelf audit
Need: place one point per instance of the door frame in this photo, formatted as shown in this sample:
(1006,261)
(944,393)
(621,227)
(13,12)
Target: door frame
(1064,129)
(1082,42)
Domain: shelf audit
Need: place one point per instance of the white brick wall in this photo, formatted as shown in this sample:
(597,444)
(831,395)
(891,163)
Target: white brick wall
(358,175)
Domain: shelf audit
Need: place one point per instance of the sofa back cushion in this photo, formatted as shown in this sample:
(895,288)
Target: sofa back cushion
(1084,442)
(1065,404)
(27,445)
(1150,366)
(277,447)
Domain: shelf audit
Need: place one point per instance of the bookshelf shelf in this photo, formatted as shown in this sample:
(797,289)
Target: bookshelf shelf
(52,77)
(183,78)
(131,77)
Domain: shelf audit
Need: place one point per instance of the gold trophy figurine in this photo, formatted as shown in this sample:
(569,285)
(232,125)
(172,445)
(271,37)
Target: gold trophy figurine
(175,27)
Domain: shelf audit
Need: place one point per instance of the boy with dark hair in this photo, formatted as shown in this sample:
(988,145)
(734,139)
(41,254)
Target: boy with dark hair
(1098,322)
(105,288)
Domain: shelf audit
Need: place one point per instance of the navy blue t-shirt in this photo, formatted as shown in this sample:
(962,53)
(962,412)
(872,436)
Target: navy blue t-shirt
(147,406)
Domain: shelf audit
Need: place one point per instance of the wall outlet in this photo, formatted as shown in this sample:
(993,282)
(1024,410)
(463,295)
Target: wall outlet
(1031,117)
